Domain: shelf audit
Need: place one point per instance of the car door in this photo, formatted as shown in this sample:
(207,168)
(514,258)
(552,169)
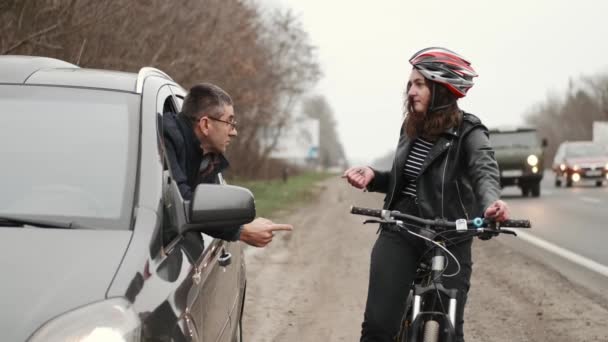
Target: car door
(235,277)
(208,300)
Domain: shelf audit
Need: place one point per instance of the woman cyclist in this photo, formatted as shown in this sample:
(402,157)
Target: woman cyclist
(444,167)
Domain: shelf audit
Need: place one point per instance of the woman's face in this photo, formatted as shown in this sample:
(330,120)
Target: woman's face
(418,93)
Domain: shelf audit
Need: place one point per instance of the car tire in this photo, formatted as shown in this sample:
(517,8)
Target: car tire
(535,189)
(599,183)
(525,191)
(558,182)
(569,183)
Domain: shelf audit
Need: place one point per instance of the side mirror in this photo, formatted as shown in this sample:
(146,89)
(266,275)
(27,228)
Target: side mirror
(216,207)
(544,142)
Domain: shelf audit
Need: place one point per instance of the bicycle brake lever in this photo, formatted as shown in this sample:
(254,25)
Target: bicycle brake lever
(507,231)
(374,221)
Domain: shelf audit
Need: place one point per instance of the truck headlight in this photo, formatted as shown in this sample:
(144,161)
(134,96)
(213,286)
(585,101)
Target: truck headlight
(532,160)
(112,320)
(562,167)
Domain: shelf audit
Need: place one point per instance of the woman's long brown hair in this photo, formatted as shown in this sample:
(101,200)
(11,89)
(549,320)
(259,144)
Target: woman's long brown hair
(431,124)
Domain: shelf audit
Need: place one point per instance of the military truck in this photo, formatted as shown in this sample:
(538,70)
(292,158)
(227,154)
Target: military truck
(520,156)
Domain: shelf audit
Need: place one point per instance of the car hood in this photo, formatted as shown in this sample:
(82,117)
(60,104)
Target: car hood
(588,161)
(516,156)
(46,272)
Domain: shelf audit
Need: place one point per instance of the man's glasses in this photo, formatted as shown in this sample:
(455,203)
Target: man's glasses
(232,123)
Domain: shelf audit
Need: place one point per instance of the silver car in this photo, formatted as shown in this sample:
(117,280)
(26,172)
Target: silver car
(96,242)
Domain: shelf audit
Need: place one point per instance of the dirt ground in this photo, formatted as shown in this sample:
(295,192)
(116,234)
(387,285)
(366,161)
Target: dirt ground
(311,284)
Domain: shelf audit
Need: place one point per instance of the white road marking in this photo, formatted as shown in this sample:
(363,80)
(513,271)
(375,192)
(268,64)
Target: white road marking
(564,253)
(590,199)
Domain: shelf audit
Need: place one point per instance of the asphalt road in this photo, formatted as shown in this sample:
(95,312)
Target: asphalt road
(574,219)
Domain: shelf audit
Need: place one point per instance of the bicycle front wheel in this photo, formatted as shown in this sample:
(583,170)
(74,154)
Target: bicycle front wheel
(431,331)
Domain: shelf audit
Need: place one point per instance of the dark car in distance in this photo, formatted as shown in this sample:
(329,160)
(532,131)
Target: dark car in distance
(96,242)
(520,154)
(580,161)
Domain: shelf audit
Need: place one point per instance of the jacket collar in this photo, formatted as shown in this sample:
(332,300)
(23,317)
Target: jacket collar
(451,132)
(188,130)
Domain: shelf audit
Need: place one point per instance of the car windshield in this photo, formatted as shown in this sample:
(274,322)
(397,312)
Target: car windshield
(514,139)
(68,155)
(585,150)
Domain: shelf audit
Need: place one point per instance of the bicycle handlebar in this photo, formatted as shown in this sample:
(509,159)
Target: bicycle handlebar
(438,223)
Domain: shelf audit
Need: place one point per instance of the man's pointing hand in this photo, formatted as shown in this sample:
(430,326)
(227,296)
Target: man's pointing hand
(260,231)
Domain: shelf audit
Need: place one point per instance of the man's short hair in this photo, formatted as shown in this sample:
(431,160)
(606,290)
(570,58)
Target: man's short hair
(205,99)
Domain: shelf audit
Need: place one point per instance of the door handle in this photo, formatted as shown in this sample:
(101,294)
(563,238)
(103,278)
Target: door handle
(196,277)
(225,259)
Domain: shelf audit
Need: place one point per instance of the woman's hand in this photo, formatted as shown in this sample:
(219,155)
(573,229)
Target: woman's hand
(359,176)
(498,211)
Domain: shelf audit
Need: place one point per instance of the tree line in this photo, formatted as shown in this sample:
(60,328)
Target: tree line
(263,58)
(570,115)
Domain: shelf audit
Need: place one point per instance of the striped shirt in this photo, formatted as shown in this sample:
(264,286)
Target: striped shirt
(413,164)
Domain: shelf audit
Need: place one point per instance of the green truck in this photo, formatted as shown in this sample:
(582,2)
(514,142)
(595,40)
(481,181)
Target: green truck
(520,156)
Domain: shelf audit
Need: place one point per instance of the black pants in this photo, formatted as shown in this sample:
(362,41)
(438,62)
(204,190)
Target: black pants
(394,260)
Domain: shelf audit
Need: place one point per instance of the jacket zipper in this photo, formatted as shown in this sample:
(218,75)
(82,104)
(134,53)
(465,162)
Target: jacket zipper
(460,200)
(445,166)
(393,174)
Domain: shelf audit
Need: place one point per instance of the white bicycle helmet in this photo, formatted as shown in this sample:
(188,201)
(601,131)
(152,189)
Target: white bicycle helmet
(446,67)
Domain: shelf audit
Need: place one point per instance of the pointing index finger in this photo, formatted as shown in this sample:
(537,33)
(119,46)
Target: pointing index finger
(280,226)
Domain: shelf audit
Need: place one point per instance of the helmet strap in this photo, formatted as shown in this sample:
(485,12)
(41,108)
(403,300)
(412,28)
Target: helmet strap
(432,108)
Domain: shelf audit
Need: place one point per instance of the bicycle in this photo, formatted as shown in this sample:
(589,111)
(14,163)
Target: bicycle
(421,320)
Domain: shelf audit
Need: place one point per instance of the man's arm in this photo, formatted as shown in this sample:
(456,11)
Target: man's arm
(228,233)
(257,233)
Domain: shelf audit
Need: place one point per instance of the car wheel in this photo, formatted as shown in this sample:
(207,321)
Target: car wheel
(599,183)
(535,189)
(525,191)
(568,182)
(558,182)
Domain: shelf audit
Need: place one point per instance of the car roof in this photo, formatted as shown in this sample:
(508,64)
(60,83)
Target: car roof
(54,72)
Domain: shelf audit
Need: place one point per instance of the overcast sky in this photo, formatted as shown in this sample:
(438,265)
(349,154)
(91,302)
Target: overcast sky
(522,49)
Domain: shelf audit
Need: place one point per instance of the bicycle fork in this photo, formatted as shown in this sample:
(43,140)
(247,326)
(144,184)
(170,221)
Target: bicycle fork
(434,286)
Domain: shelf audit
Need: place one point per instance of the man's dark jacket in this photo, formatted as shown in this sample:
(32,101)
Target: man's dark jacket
(186,158)
(458,179)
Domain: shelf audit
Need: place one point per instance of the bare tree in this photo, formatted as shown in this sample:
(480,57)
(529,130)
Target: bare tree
(570,116)
(264,60)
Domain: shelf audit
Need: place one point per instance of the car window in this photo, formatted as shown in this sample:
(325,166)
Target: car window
(178,98)
(585,150)
(170,100)
(68,153)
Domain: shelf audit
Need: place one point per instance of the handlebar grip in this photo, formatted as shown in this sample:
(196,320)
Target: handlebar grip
(366,211)
(516,224)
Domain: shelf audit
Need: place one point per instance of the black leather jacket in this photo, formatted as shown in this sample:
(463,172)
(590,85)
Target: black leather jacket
(458,179)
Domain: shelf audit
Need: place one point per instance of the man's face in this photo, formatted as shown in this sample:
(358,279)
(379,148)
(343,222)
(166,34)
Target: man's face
(218,132)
